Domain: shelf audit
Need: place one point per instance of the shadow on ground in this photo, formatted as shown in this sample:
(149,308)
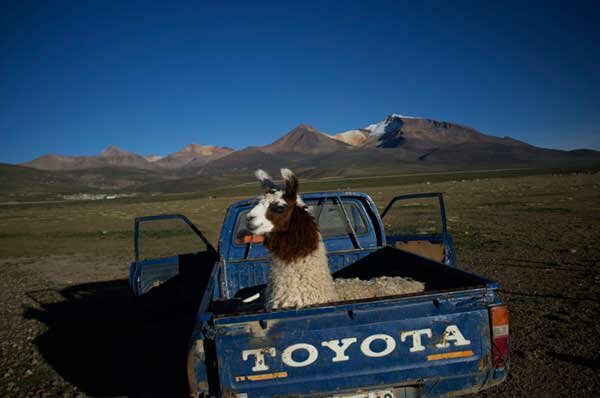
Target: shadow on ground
(101,341)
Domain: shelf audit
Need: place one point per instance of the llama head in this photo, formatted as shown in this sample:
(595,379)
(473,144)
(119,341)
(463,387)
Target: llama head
(274,209)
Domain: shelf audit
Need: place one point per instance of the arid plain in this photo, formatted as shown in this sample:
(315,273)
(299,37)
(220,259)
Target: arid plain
(68,326)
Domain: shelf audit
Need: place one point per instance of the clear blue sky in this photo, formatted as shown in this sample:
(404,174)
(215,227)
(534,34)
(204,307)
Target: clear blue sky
(78,76)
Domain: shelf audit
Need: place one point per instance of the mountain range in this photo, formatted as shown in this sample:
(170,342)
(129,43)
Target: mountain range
(192,155)
(396,144)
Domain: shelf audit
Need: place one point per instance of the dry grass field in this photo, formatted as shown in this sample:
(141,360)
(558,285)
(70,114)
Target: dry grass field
(68,327)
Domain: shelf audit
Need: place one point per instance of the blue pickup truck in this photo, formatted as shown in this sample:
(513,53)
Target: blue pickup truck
(451,339)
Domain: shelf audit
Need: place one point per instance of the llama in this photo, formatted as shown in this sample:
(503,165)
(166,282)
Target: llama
(299,275)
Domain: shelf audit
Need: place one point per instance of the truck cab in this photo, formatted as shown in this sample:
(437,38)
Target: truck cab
(449,340)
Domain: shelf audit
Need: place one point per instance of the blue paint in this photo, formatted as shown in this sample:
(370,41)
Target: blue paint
(445,238)
(401,367)
(148,273)
(145,274)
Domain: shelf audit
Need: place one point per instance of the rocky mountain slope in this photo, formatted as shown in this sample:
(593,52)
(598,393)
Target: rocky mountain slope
(418,133)
(193,155)
(397,144)
(113,156)
(307,140)
(110,157)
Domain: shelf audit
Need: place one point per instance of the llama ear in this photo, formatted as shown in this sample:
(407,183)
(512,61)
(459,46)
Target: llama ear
(265,180)
(291,184)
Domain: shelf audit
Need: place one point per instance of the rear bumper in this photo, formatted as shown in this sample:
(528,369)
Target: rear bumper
(427,388)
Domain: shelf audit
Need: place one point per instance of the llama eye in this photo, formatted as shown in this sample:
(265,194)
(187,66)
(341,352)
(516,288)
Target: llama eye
(277,209)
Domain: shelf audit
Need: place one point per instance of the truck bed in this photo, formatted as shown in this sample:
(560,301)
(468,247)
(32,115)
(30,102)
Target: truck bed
(454,302)
(386,261)
(389,261)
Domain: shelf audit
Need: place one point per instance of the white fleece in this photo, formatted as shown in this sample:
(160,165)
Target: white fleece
(356,289)
(300,283)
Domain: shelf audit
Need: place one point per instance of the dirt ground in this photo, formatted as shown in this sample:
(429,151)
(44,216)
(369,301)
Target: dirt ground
(68,326)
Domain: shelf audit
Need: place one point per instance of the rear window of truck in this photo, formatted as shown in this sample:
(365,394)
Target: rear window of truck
(331,222)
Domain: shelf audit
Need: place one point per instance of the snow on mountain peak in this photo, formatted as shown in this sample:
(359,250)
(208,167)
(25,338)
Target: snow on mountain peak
(396,115)
(153,158)
(390,123)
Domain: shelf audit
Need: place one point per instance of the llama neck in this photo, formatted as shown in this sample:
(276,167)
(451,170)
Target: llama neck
(299,240)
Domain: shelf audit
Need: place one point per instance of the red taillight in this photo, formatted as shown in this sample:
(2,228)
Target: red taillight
(499,320)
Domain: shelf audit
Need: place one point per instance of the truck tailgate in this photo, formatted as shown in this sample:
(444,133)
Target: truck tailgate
(426,341)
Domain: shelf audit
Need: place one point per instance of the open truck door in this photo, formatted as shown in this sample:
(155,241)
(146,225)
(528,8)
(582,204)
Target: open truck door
(173,259)
(417,223)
